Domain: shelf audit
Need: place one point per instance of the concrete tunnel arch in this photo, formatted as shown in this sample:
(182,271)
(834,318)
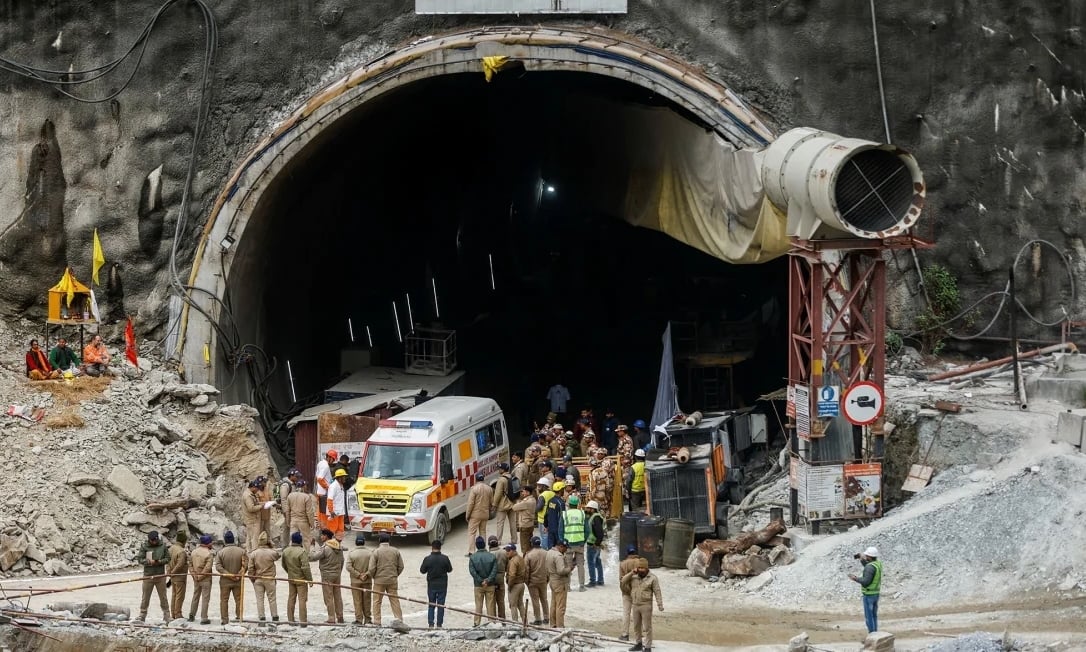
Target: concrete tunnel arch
(591,51)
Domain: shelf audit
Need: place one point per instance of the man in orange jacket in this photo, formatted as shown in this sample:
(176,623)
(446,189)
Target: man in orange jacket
(96,357)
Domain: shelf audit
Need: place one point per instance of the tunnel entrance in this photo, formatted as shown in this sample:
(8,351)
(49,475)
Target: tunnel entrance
(522,200)
(489,192)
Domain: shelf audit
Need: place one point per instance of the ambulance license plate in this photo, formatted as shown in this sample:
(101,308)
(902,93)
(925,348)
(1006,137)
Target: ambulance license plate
(387,526)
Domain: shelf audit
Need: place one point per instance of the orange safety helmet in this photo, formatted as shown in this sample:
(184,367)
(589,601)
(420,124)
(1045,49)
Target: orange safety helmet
(333,453)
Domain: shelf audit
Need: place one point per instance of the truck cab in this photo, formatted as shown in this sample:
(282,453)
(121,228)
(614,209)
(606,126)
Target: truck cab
(418,466)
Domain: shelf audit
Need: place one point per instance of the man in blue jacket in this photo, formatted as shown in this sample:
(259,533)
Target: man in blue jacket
(552,519)
(483,567)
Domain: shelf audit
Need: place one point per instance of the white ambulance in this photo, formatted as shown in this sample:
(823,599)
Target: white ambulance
(418,466)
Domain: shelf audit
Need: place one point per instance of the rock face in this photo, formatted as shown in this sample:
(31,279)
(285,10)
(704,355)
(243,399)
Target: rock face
(237,445)
(210,522)
(126,484)
(50,539)
(12,549)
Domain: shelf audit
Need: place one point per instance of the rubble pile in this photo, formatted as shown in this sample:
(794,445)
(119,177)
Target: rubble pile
(76,497)
(747,555)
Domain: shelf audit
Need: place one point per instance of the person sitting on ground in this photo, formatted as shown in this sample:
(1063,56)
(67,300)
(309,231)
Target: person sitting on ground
(96,357)
(64,358)
(37,364)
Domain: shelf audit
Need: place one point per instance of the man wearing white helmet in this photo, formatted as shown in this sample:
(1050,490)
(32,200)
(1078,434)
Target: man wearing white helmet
(870,584)
(596,531)
(637,482)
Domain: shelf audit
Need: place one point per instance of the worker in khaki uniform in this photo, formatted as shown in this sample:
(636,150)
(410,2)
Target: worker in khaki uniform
(302,508)
(178,569)
(265,513)
(558,570)
(358,568)
(524,511)
(286,487)
(516,575)
(536,561)
(625,567)
(501,504)
(329,558)
(201,565)
(230,563)
(252,506)
(262,565)
(494,546)
(643,587)
(480,498)
(386,564)
(296,564)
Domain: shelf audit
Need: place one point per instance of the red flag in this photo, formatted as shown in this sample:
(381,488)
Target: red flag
(130,343)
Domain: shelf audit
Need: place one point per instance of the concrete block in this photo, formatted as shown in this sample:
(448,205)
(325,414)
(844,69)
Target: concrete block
(1070,427)
(1069,391)
(879,642)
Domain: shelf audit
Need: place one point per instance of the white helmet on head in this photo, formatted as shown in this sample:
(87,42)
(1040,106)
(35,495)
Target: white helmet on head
(546,482)
(871,551)
(593,505)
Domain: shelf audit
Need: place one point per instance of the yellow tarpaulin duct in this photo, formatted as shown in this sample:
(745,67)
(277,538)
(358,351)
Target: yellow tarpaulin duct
(659,170)
(491,65)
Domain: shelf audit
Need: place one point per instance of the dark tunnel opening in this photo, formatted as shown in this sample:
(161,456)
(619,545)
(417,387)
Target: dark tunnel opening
(452,181)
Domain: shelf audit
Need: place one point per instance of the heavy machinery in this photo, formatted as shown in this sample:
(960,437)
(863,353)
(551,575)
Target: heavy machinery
(695,467)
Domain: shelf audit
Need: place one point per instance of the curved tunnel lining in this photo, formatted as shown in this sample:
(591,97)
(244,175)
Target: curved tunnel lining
(618,57)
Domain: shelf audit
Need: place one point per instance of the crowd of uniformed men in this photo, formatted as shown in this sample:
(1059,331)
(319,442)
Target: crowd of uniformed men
(540,496)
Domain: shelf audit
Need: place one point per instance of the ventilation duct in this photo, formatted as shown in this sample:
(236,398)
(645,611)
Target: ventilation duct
(834,187)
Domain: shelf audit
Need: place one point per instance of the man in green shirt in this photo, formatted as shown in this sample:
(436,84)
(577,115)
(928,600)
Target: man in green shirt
(154,556)
(62,357)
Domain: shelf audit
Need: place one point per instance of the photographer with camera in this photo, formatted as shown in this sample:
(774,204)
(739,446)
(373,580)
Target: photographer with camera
(870,583)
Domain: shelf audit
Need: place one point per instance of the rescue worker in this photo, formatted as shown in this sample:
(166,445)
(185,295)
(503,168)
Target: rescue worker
(177,571)
(558,570)
(299,576)
(642,438)
(386,564)
(609,435)
(524,509)
(436,567)
(643,587)
(558,445)
(588,444)
(262,565)
(572,470)
(358,568)
(573,531)
(602,480)
(201,565)
(329,558)
(637,482)
(552,518)
(870,586)
(520,470)
(625,567)
(154,556)
(336,503)
(265,513)
(544,494)
(286,487)
(516,576)
(546,470)
(478,512)
(501,504)
(595,531)
(483,567)
(494,547)
(531,467)
(302,509)
(230,563)
(322,480)
(252,507)
(625,443)
(536,562)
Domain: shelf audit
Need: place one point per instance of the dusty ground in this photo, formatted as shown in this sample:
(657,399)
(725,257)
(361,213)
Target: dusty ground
(723,619)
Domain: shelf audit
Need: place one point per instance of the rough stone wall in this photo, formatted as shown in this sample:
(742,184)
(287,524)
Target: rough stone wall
(988,95)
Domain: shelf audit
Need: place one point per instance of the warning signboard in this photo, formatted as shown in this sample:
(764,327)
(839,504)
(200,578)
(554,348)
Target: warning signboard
(837,491)
(863,403)
(803,411)
(829,401)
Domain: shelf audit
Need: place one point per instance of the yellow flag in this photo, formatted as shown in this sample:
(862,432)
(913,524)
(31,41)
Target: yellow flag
(98,258)
(67,285)
(491,65)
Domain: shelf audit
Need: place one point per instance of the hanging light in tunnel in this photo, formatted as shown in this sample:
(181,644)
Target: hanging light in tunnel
(550,190)
(410,316)
(350,329)
(437,308)
(490,259)
(290,377)
(369,335)
(396,318)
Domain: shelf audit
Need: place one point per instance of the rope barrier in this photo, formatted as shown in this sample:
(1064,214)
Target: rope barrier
(30,592)
(129,623)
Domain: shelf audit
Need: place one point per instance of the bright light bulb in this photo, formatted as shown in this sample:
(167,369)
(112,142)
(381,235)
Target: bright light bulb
(550,188)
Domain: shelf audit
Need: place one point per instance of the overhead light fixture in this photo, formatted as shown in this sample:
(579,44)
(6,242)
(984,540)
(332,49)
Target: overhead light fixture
(550,189)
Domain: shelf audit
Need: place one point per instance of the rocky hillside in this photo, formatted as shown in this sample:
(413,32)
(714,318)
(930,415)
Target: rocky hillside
(77,482)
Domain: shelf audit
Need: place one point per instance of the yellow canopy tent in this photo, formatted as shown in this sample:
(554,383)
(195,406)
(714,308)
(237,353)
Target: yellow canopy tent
(69,297)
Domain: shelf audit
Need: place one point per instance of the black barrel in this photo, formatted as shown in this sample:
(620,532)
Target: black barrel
(627,532)
(678,542)
(650,540)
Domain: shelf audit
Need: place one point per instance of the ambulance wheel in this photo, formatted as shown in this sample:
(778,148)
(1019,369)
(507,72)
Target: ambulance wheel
(441,528)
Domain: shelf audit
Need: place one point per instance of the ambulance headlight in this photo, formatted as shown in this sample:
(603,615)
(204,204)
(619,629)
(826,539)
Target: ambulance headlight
(417,502)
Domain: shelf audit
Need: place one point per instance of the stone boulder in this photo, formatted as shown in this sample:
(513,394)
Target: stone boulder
(210,522)
(56,567)
(781,556)
(207,410)
(11,550)
(80,478)
(126,484)
(239,411)
(234,447)
(167,431)
(86,491)
(51,540)
(162,519)
(879,642)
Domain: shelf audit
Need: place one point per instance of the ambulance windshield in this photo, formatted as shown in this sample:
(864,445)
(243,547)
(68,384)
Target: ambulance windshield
(398,462)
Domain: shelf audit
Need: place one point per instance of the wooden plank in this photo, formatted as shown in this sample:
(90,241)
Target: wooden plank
(919,477)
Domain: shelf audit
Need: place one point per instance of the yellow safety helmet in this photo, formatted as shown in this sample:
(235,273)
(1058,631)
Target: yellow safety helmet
(340,473)
(558,486)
